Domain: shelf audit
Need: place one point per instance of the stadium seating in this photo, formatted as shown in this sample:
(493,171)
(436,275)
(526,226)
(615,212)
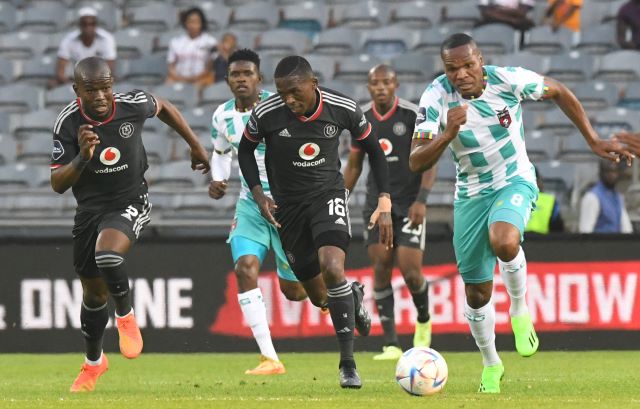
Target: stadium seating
(342,39)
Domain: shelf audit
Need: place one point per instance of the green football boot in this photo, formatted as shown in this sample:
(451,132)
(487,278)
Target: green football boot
(526,338)
(389,353)
(491,377)
(422,336)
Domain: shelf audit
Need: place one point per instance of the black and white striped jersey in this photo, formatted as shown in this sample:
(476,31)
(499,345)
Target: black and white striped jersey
(302,156)
(115,175)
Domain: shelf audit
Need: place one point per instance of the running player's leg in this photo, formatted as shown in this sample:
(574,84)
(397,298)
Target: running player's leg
(118,231)
(289,284)
(508,218)
(409,253)
(476,263)
(250,240)
(382,262)
(94,313)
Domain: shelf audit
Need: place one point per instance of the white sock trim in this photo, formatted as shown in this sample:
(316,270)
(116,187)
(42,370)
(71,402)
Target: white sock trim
(482,324)
(254,312)
(125,315)
(514,264)
(94,363)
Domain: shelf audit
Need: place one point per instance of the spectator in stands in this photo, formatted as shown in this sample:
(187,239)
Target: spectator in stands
(565,14)
(227,46)
(602,209)
(629,19)
(546,217)
(88,40)
(190,55)
(511,12)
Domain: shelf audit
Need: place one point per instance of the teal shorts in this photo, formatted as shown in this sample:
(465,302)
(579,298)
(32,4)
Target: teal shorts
(471,220)
(252,234)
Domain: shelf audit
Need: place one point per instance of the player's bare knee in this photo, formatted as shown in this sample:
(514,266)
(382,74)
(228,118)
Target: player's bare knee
(414,281)
(506,249)
(332,271)
(247,270)
(95,299)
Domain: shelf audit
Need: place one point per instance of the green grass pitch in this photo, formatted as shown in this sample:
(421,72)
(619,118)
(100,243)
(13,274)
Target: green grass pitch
(602,379)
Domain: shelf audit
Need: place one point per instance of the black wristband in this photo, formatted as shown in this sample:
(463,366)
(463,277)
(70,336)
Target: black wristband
(422,196)
(80,163)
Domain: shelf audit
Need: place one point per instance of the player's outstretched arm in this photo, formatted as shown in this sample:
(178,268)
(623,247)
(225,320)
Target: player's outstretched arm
(169,114)
(632,140)
(418,209)
(249,169)
(382,214)
(66,176)
(610,149)
(354,168)
(426,149)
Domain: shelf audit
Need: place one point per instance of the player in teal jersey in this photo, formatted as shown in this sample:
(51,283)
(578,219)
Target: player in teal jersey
(251,235)
(475,110)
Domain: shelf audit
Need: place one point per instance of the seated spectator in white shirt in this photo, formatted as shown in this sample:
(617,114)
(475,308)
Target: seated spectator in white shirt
(88,40)
(602,209)
(190,55)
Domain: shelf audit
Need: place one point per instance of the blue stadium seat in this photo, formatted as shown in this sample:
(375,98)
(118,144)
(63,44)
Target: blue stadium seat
(282,42)
(22,45)
(181,95)
(6,71)
(155,17)
(463,15)
(495,38)
(147,70)
(8,17)
(355,68)
(370,15)
(389,41)
(37,71)
(614,120)
(178,174)
(337,41)
(42,19)
(17,98)
(133,43)
(541,146)
(431,39)
(596,95)
(619,66)
(59,97)
(571,67)
(555,122)
(35,150)
(35,125)
(414,67)
(574,148)
(324,66)
(631,97)
(259,16)
(542,40)
(215,95)
(416,15)
(308,17)
(8,147)
(598,40)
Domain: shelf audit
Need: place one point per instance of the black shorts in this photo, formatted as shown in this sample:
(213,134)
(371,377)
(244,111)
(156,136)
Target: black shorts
(403,234)
(130,220)
(310,225)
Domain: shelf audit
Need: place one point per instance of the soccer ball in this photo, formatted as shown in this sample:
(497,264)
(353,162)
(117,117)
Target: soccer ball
(421,371)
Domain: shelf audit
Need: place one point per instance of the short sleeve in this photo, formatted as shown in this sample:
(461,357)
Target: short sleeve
(110,52)
(65,145)
(525,84)
(430,110)
(172,54)
(64,51)
(358,125)
(252,131)
(148,103)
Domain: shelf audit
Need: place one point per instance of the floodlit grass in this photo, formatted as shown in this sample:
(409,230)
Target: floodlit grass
(603,379)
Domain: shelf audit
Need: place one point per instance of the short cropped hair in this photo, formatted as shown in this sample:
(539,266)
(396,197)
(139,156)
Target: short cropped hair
(456,40)
(293,65)
(245,54)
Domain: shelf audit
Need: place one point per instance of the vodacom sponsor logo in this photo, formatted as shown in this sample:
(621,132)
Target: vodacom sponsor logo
(110,156)
(308,151)
(386,146)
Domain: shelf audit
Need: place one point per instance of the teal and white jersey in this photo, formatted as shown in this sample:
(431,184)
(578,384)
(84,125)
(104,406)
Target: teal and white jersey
(227,126)
(489,150)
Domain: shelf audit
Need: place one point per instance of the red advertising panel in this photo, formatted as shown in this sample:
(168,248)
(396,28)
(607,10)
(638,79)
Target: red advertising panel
(562,296)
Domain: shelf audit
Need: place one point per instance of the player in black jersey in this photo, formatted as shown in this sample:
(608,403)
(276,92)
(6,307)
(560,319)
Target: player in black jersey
(300,127)
(392,120)
(98,152)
